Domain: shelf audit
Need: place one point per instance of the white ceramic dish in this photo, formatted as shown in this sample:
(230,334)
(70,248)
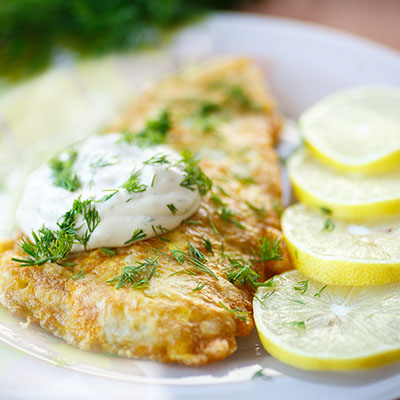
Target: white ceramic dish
(302,63)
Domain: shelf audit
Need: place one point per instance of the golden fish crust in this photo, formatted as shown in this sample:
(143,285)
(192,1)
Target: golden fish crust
(169,321)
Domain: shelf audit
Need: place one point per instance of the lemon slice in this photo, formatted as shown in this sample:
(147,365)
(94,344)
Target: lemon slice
(310,326)
(356,130)
(349,195)
(340,253)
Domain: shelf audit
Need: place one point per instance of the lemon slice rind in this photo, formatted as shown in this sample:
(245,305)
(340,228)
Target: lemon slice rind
(312,183)
(342,267)
(338,333)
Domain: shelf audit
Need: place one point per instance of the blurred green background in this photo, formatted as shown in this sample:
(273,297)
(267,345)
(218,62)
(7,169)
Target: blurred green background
(34,32)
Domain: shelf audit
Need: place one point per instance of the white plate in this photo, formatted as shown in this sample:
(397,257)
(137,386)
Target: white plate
(302,64)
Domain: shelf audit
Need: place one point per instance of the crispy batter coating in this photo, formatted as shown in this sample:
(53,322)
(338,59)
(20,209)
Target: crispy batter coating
(168,320)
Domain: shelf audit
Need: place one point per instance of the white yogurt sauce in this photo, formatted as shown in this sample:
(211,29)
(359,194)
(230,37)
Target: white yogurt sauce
(104,164)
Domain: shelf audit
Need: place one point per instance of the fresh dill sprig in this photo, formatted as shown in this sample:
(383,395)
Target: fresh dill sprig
(179,255)
(207,244)
(194,176)
(133,185)
(158,159)
(269,248)
(199,287)
(242,273)
(172,208)
(259,211)
(108,252)
(136,276)
(194,257)
(211,222)
(137,234)
(154,133)
(162,232)
(318,294)
(192,222)
(246,180)
(55,246)
(277,207)
(296,324)
(108,196)
(198,260)
(236,312)
(229,215)
(302,286)
(78,275)
(63,173)
(329,224)
(221,190)
(217,200)
(238,96)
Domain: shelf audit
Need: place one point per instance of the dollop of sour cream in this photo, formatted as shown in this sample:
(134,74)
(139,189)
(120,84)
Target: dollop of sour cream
(103,165)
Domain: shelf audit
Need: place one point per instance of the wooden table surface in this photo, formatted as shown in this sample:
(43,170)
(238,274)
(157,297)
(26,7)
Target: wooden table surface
(378,20)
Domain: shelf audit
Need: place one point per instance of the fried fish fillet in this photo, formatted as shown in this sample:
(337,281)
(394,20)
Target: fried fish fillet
(220,111)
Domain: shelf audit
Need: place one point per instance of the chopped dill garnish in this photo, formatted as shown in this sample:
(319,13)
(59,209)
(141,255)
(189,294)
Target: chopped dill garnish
(217,200)
(100,163)
(194,257)
(298,301)
(277,207)
(210,221)
(137,234)
(326,211)
(199,287)
(329,224)
(269,248)
(154,250)
(162,232)
(239,96)
(78,275)
(153,180)
(221,190)
(179,255)
(194,176)
(154,133)
(236,312)
(108,252)
(108,196)
(296,324)
(63,173)
(136,276)
(55,246)
(192,222)
(158,159)
(133,185)
(259,211)
(172,208)
(302,286)
(229,215)
(318,294)
(207,244)
(242,273)
(246,180)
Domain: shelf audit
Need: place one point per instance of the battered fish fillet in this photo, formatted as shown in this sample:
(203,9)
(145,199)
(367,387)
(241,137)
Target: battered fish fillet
(220,111)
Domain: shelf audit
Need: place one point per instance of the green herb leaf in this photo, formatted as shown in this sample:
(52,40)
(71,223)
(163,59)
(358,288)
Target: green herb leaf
(269,248)
(318,294)
(302,286)
(108,252)
(296,324)
(137,234)
(229,215)
(237,312)
(199,287)
(63,173)
(136,276)
(133,185)
(194,176)
(172,208)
